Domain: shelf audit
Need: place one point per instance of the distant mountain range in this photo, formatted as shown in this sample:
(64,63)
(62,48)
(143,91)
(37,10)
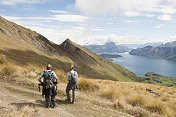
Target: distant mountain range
(134,46)
(164,51)
(109,47)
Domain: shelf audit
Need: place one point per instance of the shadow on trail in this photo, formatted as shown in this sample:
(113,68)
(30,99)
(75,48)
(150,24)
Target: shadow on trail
(62,102)
(37,103)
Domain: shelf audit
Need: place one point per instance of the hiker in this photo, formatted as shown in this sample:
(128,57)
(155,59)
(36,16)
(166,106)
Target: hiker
(72,77)
(49,89)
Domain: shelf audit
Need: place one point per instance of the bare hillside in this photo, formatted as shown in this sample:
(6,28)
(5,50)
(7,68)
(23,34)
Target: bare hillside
(23,47)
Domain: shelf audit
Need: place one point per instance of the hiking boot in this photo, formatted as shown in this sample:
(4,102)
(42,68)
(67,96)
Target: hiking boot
(47,105)
(54,105)
(68,100)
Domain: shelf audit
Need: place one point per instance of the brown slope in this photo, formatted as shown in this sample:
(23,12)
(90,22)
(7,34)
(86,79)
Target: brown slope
(24,47)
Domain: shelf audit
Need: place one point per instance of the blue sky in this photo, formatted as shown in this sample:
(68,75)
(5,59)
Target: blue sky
(96,21)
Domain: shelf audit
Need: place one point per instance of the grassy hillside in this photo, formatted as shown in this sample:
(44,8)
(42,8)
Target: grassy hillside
(94,98)
(158,79)
(24,47)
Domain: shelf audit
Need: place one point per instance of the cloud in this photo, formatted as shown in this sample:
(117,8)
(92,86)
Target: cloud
(12,18)
(131,21)
(165,17)
(63,18)
(158,26)
(131,13)
(168,10)
(58,11)
(170,39)
(114,7)
(80,35)
(15,2)
(148,15)
(71,18)
(130,8)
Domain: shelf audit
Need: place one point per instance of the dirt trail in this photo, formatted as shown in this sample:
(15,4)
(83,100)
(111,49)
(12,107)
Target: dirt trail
(11,100)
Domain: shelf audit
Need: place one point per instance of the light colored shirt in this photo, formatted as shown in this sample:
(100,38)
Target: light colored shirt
(74,73)
(53,76)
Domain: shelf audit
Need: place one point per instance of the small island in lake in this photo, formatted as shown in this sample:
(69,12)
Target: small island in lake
(110,55)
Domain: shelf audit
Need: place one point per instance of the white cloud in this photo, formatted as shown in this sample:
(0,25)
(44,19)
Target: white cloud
(129,8)
(168,10)
(81,35)
(97,29)
(165,17)
(115,7)
(169,39)
(71,18)
(158,26)
(58,11)
(131,13)
(15,2)
(131,21)
(12,18)
(64,18)
(148,15)
(172,2)
(109,22)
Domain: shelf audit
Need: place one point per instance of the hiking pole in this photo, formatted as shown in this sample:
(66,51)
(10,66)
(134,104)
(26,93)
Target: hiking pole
(39,86)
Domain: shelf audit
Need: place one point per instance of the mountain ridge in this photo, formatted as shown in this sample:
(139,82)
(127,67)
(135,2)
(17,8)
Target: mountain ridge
(24,46)
(168,53)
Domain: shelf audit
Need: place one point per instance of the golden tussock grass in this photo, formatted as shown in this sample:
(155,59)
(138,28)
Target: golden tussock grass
(24,111)
(62,76)
(128,96)
(136,100)
(87,85)
(8,69)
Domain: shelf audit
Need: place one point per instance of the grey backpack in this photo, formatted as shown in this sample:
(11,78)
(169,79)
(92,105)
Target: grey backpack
(74,79)
(48,79)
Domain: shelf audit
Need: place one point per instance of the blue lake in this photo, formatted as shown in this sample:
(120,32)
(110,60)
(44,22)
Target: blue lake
(141,65)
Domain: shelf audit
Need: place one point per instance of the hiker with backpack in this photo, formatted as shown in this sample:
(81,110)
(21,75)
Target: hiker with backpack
(49,86)
(72,77)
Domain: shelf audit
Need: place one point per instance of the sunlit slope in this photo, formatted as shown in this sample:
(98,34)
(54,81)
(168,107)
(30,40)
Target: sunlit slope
(23,47)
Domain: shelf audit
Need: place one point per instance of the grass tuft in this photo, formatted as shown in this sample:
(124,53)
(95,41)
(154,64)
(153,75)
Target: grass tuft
(86,85)
(136,100)
(24,111)
(156,106)
(8,70)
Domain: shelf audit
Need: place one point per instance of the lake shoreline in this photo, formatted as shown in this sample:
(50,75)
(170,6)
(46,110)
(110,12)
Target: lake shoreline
(141,65)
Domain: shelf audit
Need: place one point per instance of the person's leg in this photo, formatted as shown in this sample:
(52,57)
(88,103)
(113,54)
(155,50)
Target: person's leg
(47,101)
(53,94)
(68,92)
(73,96)
(53,100)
